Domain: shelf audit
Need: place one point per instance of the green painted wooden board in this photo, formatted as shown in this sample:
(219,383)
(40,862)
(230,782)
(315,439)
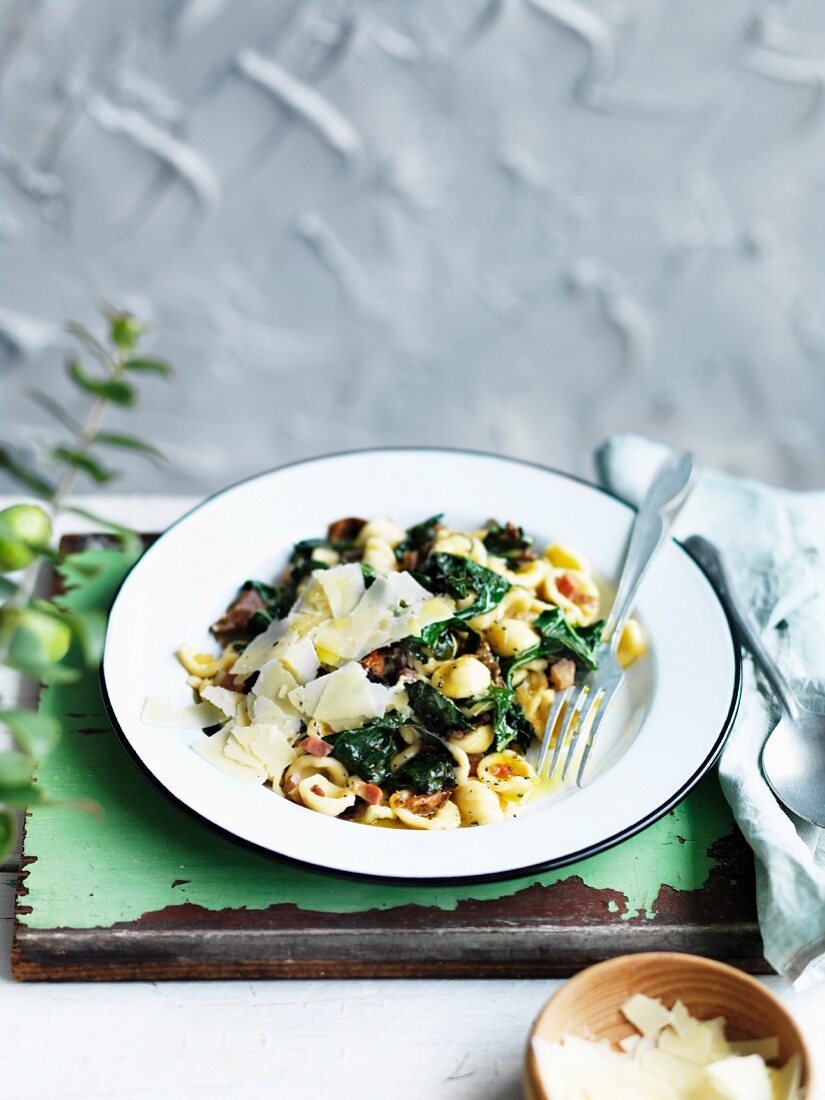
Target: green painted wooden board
(142,890)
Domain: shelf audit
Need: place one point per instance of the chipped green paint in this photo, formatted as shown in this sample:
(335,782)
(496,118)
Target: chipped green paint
(143,853)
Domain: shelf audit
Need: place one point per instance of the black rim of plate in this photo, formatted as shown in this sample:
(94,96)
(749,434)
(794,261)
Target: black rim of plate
(455,880)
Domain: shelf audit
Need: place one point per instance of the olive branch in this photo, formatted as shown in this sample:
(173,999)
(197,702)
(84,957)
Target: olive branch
(38,637)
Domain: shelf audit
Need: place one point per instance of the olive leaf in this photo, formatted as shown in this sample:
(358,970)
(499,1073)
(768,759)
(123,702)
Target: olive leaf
(156,366)
(85,463)
(109,389)
(131,443)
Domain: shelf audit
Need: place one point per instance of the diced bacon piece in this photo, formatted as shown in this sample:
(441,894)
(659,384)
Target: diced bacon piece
(369,792)
(566,584)
(316,746)
(563,674)
(501,771)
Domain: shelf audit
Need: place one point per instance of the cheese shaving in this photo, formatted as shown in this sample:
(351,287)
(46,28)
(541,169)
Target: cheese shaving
(673,1057)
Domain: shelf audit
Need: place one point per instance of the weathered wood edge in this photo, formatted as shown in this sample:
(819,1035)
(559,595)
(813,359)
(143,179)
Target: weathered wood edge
(126,954)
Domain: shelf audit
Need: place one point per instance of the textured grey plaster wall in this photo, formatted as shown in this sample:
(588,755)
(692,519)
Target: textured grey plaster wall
(512,225)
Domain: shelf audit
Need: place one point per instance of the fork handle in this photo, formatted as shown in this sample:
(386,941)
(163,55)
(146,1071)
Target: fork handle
(662,502)
(706,554)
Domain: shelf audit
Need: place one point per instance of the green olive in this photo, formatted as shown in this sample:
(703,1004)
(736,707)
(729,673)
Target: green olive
(30,638)
(23,527)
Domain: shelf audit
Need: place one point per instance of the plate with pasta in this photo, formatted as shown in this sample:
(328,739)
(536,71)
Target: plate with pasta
(349,662)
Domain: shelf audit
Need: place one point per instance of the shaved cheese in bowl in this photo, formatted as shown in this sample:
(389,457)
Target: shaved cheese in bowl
(673,1057)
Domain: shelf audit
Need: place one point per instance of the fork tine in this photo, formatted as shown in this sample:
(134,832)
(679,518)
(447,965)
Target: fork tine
(603,704)
(593,700)
(570,720)
(553,717)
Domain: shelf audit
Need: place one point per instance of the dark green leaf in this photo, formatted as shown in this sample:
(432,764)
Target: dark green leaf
(35,732)
(435,710)
(419,536)
(443,640)
(430,770)
(84,462)
(583,642)
(459,577)
(369,574)
(508,541)
(154,366)
(509,720)
(19,472)
(15,770)
(435,640)
(109,389)
(367,751)
(131,443)
(56,410)
(560,639)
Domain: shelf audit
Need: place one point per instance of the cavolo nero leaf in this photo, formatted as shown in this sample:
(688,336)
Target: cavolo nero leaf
(582,642)
(419,535)
(430,770)
(459,577)
(368,750)
(508,541)
(509,720)
(435,710)
(560,639)
(439,640)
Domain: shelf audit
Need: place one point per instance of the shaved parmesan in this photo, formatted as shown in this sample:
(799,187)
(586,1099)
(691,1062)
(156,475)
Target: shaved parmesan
(344,698)
(265,744)
(343,587)
(212,750)
(298,656)
(225,700)
(275,682)
(646,1015)
(265,712)
(676,1057)
(260,650)
(740,1078)
(192,716)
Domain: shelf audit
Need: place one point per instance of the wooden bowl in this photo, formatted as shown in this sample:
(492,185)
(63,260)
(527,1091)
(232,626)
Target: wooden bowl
(588,1005)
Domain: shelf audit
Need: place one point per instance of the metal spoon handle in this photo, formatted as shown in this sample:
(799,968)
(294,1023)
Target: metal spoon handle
(706,554)
(662,502)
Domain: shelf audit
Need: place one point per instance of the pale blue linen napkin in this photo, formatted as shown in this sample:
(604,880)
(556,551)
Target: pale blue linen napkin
(773,541)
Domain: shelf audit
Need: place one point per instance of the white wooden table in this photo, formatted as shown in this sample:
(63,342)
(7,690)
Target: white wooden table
(313,1040)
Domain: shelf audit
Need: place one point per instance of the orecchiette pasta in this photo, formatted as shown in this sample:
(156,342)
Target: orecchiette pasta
(400,678)
(317,793)
(477,803)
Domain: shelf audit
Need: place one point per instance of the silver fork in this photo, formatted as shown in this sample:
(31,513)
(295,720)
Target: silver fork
(584,706)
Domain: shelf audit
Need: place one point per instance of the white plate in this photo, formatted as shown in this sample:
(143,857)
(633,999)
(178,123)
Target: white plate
(660,737)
